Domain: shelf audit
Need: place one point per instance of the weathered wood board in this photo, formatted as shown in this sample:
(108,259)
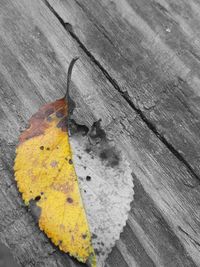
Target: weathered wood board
(35,50)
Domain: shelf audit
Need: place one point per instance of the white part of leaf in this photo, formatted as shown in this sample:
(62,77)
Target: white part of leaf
(106,186)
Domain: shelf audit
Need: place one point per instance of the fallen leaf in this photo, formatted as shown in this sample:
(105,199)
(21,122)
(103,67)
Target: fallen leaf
(81,200)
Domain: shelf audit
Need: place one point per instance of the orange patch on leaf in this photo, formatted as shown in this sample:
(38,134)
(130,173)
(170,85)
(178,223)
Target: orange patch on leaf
(40,120)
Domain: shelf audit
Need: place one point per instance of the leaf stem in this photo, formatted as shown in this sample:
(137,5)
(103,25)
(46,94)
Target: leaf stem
(69,74)
(67,96)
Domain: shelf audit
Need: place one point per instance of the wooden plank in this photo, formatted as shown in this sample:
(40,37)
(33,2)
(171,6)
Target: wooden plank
(163,228)
(6,257)
(151,52)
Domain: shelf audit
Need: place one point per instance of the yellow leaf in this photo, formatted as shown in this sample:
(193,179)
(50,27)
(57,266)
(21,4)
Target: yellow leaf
(46,176)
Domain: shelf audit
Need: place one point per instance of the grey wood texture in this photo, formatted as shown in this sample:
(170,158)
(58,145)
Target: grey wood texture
(138,72)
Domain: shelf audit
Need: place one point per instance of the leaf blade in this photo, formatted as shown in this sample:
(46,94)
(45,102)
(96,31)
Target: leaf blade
(44,171)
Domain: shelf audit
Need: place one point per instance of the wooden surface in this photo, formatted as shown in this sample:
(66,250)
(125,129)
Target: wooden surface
(139,72)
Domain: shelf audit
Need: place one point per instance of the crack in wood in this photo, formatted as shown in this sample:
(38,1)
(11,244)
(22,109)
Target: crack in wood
(188,235)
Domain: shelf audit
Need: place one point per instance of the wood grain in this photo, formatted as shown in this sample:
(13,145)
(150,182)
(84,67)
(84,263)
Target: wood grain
(163,226)
(150,50)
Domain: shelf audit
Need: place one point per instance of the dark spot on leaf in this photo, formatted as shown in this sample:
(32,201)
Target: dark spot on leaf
(42,147)
(70,161)
(104,155)
(109,155)
(84,236)
(49,119)
(66,158)
(85,191)
(48,148)
(42,193)
(69,200)
(49,112)
(84,167)
(114,161)
(37,198)
(79,157)
(94,236)
(60,113)
(88,178)
(88,149)
(96,251)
